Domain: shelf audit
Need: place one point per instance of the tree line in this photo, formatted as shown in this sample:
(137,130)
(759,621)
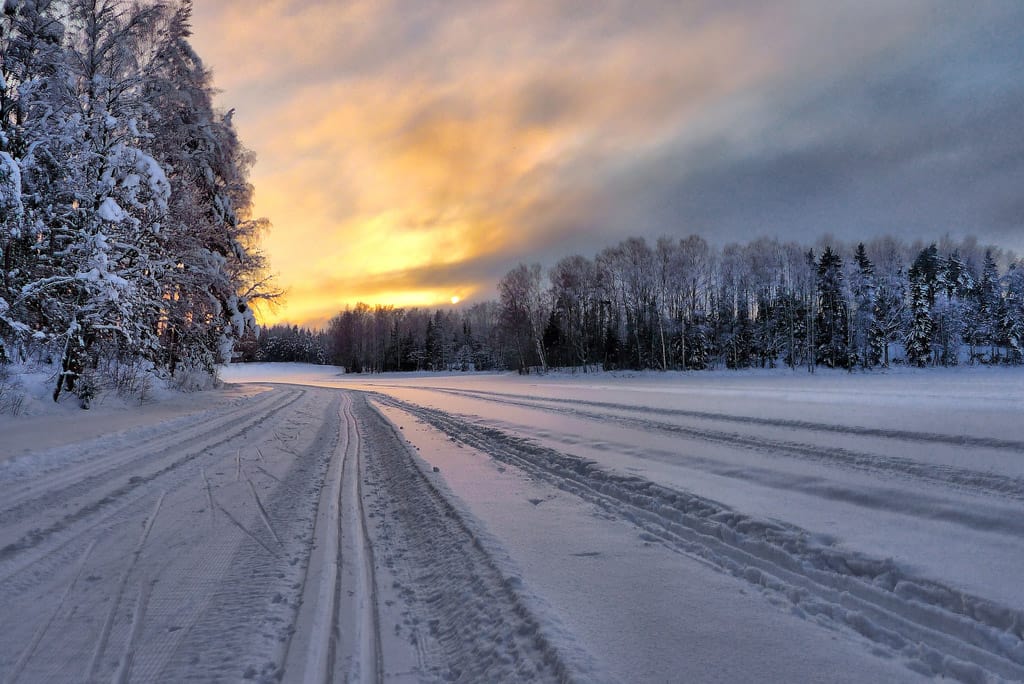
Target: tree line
(385,338)
(684,305)
(125,209)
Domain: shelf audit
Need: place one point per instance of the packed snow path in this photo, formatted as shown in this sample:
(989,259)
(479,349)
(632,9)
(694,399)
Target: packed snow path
(483,530)
(233,543)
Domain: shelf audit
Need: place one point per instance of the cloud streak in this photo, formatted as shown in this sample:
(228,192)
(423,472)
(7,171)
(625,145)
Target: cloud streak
(411,149)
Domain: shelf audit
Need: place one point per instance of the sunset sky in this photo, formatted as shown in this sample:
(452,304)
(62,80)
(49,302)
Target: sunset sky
(410,151)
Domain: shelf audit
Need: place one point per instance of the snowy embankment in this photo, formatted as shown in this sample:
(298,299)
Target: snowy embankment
(696,527)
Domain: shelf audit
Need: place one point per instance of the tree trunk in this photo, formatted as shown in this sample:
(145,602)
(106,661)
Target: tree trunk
(682,340)
(661,331)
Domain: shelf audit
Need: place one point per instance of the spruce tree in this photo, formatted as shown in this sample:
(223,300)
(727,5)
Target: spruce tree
(988,331)
(832,349)
(865,348)
(923,286)
(1013,312)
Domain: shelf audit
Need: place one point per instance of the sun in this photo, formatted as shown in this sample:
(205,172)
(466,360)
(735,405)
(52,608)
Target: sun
(456,299)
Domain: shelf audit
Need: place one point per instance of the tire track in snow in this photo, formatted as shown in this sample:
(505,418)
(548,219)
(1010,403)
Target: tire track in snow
(479,627)
(860,431)
(939,630)
(991,484)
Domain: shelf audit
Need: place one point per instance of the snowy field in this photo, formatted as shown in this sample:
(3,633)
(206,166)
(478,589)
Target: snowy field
(705,527)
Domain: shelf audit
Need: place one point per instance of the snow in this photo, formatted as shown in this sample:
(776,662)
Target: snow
(873,448)
(156,179)
(111,211)
(10,186)
(302,523)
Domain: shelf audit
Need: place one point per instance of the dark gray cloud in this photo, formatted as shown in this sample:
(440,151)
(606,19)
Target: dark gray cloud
(923,140)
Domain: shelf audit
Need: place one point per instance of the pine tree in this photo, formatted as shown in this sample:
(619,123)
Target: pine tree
(810,292)
(988,329)
(952,307)
(1013,315)
(832,347)
(863,288)
(923,286)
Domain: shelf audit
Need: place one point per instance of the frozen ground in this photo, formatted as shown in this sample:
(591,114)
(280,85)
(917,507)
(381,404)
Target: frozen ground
(701,527)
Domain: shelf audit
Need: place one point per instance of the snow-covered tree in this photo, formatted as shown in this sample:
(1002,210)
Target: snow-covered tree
(34,110)
(1013,311)
(124,205)
(831,328)
(924,280)
(863,290)
(218,271)
(988,322)
(952,311)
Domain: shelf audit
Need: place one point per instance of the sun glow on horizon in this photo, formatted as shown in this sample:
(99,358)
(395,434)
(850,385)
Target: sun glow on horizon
(314,312)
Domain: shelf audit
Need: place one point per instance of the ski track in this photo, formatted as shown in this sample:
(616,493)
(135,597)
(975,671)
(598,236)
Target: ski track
(107,487)
(311,647)
(860,431)
(80,466)
(108,623)
(366,661)
(41,631)
(113,621)
(124,667)
(244,627)
(990,484)
(938,630)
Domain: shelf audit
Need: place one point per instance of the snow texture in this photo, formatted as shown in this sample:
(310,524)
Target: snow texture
(111,211)
(429,527)
(10,186)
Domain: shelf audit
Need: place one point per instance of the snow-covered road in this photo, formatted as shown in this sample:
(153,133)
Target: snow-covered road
(315,527)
